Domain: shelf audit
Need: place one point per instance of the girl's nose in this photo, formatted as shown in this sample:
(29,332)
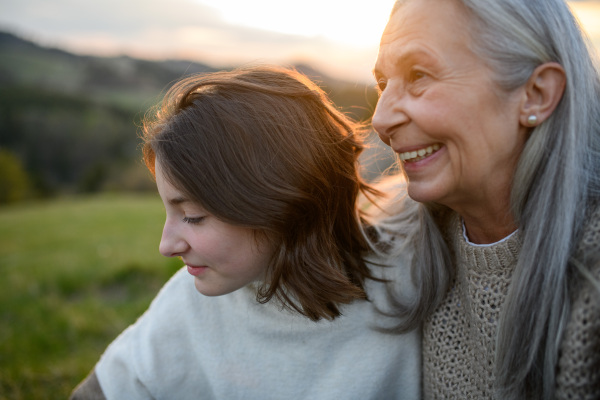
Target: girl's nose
(172,243)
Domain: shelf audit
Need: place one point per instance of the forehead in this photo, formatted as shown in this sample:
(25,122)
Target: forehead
(436,27)
(166,190)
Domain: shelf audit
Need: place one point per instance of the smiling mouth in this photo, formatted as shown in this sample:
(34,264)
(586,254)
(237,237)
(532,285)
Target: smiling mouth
(418,155)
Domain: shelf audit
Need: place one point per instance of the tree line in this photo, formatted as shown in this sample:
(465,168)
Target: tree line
(69,123)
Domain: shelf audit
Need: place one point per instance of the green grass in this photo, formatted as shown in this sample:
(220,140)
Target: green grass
(73,274)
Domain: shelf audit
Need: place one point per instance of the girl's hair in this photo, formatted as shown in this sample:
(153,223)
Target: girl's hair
(264,148)
(556,179)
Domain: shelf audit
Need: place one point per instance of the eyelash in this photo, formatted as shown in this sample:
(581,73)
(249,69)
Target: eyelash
(193,221)
(414,76)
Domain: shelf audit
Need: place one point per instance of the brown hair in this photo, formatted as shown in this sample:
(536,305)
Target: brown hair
(264,148)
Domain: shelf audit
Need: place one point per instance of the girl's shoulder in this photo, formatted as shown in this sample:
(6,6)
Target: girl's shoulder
(184,331)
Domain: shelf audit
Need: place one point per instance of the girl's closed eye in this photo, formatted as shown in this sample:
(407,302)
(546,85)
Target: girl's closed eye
(193,220)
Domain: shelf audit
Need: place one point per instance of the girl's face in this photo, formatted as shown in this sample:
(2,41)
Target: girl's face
(222,257)
(458,135)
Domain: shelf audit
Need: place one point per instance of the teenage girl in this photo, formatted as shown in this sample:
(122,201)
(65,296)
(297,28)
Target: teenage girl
(282,282)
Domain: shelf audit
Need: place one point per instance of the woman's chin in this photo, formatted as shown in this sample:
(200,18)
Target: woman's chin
(424,193)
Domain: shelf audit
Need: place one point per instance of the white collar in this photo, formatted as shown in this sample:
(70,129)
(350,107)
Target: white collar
(464,230)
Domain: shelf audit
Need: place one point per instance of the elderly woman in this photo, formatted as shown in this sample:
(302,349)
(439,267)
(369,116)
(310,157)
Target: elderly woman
(493,107)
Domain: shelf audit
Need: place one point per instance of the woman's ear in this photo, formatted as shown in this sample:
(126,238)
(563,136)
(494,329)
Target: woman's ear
(543,91)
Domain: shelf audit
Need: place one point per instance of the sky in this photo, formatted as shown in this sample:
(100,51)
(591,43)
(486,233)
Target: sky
(338,37)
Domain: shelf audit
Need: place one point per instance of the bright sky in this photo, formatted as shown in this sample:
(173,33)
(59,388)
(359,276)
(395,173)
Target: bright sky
(338,37)
(359,24)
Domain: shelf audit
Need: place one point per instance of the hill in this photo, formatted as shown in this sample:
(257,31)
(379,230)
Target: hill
(122,81)
(72,120)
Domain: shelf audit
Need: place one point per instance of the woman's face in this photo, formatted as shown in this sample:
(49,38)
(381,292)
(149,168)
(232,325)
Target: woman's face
(457,134)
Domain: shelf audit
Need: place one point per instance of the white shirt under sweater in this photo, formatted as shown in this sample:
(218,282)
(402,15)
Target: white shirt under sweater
(189,346)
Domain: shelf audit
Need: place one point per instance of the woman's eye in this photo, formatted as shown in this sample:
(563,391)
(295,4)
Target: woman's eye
(381,85)
(415,75)
(193,220)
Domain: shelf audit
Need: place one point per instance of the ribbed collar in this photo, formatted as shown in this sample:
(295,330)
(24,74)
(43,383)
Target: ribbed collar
(493,259)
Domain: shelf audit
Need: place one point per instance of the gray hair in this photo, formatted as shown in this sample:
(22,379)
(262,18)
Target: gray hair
(557,176)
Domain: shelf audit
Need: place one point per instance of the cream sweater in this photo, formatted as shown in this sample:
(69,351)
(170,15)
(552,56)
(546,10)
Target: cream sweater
(189,346)
(459,337)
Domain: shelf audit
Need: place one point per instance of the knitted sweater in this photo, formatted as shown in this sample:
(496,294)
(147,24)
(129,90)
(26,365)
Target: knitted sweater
(189,346)
(459,338)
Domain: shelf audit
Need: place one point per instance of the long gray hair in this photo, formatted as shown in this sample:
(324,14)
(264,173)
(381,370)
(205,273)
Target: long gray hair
(557,176)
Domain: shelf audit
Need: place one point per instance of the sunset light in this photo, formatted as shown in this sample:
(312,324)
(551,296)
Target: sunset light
(334,36)
(192,194)
(588,13)
(359,24)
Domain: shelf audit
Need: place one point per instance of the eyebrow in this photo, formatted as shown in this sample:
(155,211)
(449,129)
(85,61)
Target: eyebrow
(406,57)
(178,200)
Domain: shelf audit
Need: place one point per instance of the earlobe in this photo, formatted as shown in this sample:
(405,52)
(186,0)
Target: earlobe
(543,92)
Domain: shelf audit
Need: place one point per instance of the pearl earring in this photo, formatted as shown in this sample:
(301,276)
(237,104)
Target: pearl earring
(532,120)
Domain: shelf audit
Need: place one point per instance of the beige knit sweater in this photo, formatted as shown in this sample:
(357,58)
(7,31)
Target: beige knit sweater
(459,337)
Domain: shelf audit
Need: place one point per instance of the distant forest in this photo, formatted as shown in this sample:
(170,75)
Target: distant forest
(69,123)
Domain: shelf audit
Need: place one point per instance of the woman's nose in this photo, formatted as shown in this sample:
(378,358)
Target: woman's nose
(172,243)
(389,114)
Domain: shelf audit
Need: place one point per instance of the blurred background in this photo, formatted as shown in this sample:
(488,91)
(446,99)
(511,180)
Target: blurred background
(80,220)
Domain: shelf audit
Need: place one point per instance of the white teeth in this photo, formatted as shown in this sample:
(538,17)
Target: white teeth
(419,154)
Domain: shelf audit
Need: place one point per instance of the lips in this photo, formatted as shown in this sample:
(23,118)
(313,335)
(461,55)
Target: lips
(196,271)
(419,154)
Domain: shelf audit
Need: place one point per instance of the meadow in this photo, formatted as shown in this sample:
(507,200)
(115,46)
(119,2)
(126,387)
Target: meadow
(73,274)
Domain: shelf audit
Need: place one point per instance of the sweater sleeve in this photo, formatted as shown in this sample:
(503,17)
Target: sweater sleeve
(133,362)
(117,371)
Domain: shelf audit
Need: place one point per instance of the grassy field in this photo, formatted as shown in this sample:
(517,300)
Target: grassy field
(73,274)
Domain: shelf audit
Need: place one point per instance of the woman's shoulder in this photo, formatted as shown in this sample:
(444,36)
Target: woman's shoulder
(585,282)
(590,236)
(577,373)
